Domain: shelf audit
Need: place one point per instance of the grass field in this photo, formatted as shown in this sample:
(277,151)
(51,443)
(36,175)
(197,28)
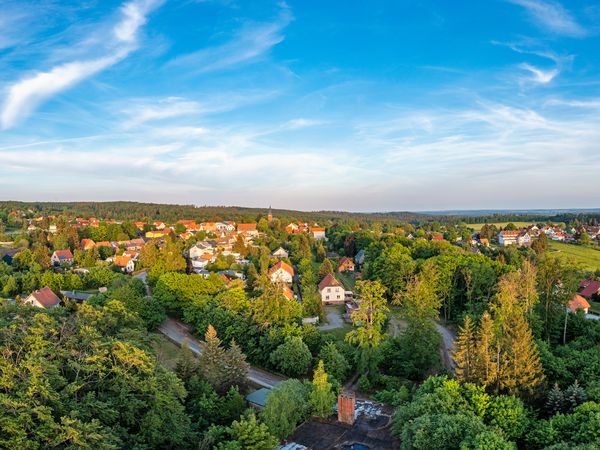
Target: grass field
(166,351)
(589,258)
(478,226)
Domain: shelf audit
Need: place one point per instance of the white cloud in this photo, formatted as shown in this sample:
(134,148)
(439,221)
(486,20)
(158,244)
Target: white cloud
(552,16)
(539,75)
(248,44)
(301,123)
(159,109)
(27,94)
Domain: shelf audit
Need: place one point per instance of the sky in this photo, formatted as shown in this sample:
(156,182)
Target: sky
(340,105)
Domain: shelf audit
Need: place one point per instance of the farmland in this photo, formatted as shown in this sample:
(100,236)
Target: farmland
(587,257)
(478,226)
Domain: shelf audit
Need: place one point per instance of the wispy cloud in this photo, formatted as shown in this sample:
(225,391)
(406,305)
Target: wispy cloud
(248,44)
(159,109)
(539,75)
(552,16)
(24,96)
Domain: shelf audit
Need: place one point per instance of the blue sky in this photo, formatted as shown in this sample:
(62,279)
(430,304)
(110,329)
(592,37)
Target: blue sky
(353,105)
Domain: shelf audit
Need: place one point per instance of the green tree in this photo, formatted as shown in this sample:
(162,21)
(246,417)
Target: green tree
(252,435)
(322,397)
(368,319)
(336,364)
(286,407)
(292,357)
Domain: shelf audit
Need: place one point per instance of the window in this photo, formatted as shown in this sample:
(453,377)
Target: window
(327,297)
(328,289)
(338,297)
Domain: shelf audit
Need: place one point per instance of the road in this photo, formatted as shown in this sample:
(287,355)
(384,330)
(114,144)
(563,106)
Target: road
(177,332)
(334,319)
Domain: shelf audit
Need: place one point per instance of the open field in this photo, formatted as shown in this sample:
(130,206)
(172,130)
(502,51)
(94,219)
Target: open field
(478,226)
(589,258)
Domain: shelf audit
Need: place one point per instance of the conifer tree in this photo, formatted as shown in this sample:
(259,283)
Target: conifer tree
(485,367)
(235,367)
(555,401)
(575,395)
(464,351)
(211,359)
(322,396)
(186,365)
(521,367)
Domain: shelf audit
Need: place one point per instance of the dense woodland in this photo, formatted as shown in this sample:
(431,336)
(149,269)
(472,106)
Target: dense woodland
(87,375)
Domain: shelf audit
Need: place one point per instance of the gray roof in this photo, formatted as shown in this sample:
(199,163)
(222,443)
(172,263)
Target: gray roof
(75,295)
(259,397)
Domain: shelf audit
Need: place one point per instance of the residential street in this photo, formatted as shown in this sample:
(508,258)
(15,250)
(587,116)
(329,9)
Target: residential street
(177,332)
(334,319)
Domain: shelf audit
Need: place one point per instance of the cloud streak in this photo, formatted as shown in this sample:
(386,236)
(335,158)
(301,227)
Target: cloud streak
(552,16)
(247,45)
(24,96)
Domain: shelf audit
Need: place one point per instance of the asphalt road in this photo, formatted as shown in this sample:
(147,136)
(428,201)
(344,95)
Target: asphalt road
(177,332)
(334,319)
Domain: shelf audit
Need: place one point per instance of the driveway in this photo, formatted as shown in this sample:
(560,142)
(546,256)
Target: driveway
(334,319)
(177,332)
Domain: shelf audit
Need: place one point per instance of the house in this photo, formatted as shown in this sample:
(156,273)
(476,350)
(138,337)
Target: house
(332,291)
(87,244)
(159,225)
(577,303)
(199,249)
(126,263)
(589,288)
(437,237)
(61,256)
(318,233)
(287,292)
(281,273)
(247,229)
(153,234)
(360,257)
(292,228)
(346,265)
(43,298)
(485,242)
(75,296)
(519,238)
(280,253)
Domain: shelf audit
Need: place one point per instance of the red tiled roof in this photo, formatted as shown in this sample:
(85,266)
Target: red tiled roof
(578,302)
(287,292)
(46,297)
(329,281)
(588,288)
(246,227)
(66,254)
(122,260)
(281,265)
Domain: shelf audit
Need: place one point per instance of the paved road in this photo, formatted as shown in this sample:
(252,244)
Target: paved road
(334,319)
(177,332)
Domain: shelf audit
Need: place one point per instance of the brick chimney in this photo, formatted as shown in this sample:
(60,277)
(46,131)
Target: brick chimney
(346,405)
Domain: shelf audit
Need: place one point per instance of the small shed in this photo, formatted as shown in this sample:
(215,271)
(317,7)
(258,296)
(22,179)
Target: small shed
(258,398)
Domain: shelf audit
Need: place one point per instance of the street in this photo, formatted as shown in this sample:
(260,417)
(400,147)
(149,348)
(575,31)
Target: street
(177,332)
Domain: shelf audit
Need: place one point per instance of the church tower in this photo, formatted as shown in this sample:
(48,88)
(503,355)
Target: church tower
(270,215)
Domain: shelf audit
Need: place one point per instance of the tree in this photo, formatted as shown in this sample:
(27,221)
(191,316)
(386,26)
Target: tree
(252,435)
(325,269)
(368,319)
(211,359)
(187,364)
(286,407)
(272,307)
(485,368)
(394,268)
(464,350)
(311,302)
(335,362)
(322,397)
(235,367)
(292,357)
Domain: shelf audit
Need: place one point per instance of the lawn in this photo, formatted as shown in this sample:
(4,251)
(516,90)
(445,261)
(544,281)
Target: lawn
(347,280)
(587,257)
(478,226)
(338,334)
(167,352)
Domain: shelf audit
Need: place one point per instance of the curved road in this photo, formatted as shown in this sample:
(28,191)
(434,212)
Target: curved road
(178,332)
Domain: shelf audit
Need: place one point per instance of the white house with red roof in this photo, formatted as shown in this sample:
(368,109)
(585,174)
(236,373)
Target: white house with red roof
(519,238)
(43,298)
(281,273)
(332,290)
(61,256)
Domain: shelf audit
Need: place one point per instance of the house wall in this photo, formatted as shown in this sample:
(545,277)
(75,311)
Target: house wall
(333,294)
